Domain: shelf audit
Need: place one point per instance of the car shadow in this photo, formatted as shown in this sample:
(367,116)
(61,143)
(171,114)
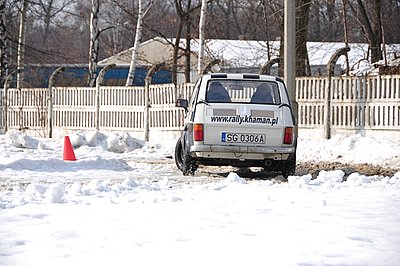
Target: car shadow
(252,173)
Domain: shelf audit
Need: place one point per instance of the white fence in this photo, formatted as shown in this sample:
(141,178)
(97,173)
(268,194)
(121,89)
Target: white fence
(358,104)
(74,108)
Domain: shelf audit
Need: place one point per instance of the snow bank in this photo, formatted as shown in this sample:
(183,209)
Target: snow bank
(354,149)
(20,151)
(19,139)
(114,142)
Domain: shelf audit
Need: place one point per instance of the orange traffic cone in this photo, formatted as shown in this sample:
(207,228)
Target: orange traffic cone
(68,154)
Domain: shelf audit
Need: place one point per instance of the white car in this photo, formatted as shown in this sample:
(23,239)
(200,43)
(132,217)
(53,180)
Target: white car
(242,120)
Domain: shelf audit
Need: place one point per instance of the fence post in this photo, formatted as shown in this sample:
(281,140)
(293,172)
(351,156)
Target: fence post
(5,98)
(265,69)
(99,81)
(147,82)
(50,101)
(327,107)
(330,69)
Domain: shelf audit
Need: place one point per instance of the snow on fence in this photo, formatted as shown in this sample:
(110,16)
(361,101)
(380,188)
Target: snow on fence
(367,103)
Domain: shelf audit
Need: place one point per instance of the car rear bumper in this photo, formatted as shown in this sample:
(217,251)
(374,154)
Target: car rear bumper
(241,149)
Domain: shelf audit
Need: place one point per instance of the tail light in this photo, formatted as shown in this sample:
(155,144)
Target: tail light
(198,132)
(288,138)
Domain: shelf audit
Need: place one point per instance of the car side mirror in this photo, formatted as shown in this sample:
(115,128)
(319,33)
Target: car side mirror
(182,103)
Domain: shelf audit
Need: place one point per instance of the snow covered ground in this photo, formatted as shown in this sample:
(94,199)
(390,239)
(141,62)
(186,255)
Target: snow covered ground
(123,202)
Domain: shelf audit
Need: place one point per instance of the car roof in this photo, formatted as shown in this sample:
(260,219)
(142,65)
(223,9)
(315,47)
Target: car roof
(241,76)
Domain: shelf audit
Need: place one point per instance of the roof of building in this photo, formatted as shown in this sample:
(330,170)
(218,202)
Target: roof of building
(245,53)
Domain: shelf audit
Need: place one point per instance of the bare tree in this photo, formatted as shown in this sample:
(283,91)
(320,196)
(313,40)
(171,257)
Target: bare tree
(49,9)
(94,43)
(181,15)
(138,39)
(3,42)
(21,43)
(390,18)
(122,16)
(346,37)
(184,12)
(202,30)
(302,19)
(369,17)
(221,19)
(59,30)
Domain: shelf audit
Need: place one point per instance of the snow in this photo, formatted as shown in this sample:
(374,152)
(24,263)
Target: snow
(123,202)
(353,149)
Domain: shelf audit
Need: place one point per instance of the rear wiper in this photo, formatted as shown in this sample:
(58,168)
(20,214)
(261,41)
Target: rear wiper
(203,101)
(284,105)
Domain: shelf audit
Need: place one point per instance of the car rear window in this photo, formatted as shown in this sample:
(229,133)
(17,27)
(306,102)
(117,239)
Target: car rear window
(243,91)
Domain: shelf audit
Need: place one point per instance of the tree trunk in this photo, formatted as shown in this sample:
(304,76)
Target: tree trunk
(346,37)
(138,37)
(3,43)
(183,18)
(21,44)
(176,53)
(372,27)
(302,18)
(202,28)
(179,11)
(302,61)
(266,25)
(94,43)
(376,50)
(188,48)
(47,18)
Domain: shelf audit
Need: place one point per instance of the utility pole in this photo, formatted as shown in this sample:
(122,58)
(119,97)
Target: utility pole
(289,64)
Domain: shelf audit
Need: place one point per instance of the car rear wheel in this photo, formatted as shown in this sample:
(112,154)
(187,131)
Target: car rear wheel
(289,166)
(178,154)
(183,160)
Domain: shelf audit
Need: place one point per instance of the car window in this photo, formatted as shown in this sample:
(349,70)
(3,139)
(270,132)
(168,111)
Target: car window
(217,93)
(243,91)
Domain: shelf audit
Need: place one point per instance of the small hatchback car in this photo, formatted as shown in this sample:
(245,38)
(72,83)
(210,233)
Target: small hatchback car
(242,120)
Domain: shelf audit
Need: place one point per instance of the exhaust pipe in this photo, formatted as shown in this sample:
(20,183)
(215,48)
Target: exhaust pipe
(267,162)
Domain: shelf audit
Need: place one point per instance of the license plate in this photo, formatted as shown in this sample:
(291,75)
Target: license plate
(242,138)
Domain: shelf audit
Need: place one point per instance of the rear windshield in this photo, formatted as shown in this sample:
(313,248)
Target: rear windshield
(243,91)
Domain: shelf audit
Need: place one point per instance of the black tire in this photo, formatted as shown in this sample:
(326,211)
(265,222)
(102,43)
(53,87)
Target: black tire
(178,155)
(183,160)
(289,166)
(188,167)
